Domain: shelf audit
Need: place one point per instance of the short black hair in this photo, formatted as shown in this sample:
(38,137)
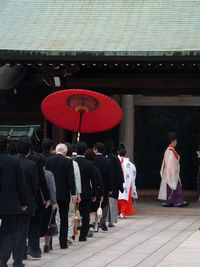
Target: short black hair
(41,159)
(108,146)
(80,148)
(24,145)
(171,136)
(3,143)
(12,148)
(100,147)
(90,155)
(46,144)
(69,149)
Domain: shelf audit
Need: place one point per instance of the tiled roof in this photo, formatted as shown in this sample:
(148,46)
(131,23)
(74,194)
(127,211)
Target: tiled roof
(114,27)
(13,132)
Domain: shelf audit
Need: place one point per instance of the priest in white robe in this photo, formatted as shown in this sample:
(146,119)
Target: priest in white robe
(170,192)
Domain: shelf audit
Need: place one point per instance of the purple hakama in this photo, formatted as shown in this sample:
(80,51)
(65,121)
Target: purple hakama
(175,196)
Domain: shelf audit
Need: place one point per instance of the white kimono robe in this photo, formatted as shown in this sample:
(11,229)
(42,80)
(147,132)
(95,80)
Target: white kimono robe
(169,172)
(129,171)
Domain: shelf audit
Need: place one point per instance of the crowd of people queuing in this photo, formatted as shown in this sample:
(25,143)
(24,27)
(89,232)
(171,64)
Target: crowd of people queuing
(40,191)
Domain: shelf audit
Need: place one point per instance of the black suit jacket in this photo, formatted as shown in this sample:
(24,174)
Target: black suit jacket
(117,175)
(88,178)
(63,171)
(43,189)
(29,169)
(99,180)
(13,193)
(47,154)
(104,166)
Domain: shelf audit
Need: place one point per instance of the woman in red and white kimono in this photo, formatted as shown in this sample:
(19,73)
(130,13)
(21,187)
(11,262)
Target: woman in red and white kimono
(125,199)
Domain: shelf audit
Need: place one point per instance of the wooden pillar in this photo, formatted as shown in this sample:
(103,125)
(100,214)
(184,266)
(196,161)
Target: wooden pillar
(127,124)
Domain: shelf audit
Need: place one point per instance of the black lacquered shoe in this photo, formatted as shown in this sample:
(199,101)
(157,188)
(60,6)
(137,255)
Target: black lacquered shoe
(82,239)
(182,205)
(46,249)
(104,227)
(33,252)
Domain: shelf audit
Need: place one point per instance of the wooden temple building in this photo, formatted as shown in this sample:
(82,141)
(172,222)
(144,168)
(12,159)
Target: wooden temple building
(143,54)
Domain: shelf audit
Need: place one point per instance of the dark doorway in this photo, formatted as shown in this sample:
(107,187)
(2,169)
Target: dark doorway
(151,127)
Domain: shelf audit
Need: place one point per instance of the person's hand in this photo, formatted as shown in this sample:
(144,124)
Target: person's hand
(79,198)
(23,208)
(73,199)
(109,193)
(54,207)
(198,154)
(94,199)
(101,199)
(47,204)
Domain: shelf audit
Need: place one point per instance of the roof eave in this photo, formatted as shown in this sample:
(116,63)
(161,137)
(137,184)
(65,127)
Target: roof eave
(69,56)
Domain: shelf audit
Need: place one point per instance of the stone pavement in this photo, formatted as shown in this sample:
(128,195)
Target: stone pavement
(143,240)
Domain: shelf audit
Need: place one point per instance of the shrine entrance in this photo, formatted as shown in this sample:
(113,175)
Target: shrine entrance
(151,126)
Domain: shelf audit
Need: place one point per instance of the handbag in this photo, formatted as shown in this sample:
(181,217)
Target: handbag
(99,211)
(52,227)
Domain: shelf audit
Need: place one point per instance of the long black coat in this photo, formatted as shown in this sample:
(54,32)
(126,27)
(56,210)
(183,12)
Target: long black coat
(88,178)
(29,169)
(63,171)
(100,190)
(104,166)
(13,193)
(117,176)
(42,183)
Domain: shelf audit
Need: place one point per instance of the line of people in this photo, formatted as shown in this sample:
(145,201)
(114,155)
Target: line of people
(37,189)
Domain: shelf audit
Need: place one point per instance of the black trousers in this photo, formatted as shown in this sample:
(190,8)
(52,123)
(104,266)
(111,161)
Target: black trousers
(7,236)
(23,222)
(34,230)
(13,234)
(63,211)
(84,208)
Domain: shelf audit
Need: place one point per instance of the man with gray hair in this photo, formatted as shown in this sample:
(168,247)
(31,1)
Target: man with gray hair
(63,171)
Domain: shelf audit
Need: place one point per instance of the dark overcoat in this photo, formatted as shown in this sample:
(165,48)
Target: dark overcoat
(13,192)
(63,171)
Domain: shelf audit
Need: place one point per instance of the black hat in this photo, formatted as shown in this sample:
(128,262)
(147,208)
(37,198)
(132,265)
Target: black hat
(121,146)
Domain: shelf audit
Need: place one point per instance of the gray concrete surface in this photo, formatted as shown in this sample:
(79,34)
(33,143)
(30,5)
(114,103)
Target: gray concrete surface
(145,240)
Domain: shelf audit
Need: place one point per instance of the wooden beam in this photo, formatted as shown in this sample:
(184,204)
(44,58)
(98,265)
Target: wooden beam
(167,101)
(137,81)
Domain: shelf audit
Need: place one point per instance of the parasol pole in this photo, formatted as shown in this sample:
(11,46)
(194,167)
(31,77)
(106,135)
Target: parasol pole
(79,127)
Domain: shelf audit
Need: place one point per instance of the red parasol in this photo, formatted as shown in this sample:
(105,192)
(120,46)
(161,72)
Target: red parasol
(81,110)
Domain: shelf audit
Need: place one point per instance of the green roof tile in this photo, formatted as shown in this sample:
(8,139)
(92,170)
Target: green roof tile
(114,27)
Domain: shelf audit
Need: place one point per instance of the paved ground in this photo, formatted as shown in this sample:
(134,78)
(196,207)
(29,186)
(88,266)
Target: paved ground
(169,239)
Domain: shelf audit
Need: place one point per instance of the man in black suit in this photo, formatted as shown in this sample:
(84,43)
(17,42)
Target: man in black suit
(33,248)
(63,171)
(29,169)
(89,188)
(117,181)
(104,166)
(13,200)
